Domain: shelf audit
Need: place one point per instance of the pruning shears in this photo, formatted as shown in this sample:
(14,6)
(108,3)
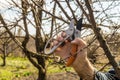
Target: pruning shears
(71,33)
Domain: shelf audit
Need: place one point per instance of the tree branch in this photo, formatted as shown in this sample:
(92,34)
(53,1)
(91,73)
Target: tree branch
(65,13)
(101,40)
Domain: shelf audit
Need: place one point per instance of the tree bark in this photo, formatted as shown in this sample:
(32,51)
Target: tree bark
(25,41)
(37,13)
(102,41)
(4,54)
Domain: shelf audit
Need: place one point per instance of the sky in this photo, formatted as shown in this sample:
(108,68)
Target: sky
(8,14)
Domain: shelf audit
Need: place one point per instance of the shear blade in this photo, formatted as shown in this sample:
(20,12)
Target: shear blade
(72,23)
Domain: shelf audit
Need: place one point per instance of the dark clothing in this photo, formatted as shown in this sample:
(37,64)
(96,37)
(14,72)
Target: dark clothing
(105,76)
(110,75)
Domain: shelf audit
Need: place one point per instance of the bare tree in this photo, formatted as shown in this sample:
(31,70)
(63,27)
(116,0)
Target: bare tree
(56,15)
(4,41)
(101,40)
(39,63)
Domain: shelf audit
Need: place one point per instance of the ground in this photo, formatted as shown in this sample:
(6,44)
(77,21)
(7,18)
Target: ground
(21,69)
(56,76)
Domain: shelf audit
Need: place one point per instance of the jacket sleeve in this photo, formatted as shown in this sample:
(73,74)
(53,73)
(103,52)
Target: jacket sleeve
(105,76)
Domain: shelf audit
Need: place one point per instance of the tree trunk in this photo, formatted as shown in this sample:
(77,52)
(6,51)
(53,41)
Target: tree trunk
(42,73)
(4,54)
(37,13)
(102,41)
(41,76)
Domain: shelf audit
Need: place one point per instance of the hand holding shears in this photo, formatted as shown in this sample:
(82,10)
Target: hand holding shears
(71,33)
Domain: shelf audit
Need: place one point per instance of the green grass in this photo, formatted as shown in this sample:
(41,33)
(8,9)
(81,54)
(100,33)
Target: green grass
(16,67)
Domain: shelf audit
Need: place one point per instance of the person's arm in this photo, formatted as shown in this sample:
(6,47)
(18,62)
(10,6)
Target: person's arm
(81,64)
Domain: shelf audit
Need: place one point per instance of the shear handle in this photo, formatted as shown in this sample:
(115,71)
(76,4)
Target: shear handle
(69,32)
(54,47)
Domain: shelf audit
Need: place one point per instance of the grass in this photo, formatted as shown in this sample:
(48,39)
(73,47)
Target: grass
(58,69)
(16,67)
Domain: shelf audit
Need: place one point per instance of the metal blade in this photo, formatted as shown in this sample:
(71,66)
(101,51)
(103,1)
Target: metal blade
(79,24)
(72,23)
